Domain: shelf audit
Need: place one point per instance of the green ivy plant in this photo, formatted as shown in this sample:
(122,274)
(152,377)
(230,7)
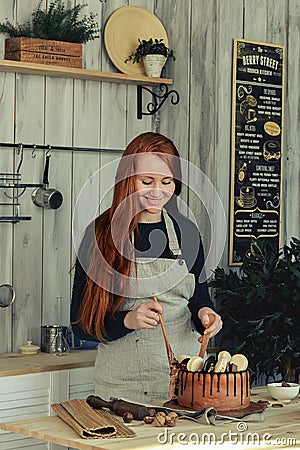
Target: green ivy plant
(260,307)
(56,23)
(150,47)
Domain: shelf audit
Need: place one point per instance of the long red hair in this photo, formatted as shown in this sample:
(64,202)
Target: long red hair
(99,299)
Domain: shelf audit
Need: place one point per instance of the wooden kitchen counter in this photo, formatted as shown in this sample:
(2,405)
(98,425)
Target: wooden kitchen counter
(18,364)
(280,429)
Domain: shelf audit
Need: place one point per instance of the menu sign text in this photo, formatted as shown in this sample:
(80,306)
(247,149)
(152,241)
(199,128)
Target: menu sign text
(257,140)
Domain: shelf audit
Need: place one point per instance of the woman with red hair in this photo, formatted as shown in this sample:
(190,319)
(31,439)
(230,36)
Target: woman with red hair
(139,248)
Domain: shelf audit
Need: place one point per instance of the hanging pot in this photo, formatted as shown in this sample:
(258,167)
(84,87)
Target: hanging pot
(153,65)
(46,197)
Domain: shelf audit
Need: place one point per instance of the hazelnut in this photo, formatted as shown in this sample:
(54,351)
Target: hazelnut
(170,422)
(263,403)
(127,417)
(151,412)
(148,419)
(172,415)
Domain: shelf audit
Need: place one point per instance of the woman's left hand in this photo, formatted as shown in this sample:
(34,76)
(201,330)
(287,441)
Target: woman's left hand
(215,327)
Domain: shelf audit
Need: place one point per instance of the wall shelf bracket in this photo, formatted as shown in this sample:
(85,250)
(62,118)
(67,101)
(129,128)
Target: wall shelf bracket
(158,99)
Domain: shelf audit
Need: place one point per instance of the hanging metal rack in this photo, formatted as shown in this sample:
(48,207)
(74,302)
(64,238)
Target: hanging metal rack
(11,183)
(51,148)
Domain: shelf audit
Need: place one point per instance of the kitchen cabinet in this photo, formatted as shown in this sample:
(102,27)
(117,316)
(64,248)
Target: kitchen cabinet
(24,396)
(30,395)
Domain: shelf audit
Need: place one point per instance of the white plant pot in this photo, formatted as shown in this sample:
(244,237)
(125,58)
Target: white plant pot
(153,64)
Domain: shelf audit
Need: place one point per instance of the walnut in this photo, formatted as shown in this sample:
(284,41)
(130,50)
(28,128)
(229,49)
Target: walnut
(159,419)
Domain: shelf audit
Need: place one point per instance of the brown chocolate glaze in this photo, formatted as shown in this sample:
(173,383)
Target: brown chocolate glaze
(221,390)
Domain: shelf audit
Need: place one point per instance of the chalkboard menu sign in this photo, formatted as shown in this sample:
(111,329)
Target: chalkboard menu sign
(257,140)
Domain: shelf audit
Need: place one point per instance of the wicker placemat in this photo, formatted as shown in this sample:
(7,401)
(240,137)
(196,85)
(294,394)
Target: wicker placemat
(90,423)
(122,430)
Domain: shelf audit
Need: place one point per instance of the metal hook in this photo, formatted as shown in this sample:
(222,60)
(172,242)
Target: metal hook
(20,152)
(15,197)
(48,151)
(33,154)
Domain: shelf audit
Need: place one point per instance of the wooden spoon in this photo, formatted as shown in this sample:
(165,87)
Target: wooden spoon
(206,337)
(170,353)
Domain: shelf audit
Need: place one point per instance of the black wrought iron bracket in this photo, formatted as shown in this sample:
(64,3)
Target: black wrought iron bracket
(157,99)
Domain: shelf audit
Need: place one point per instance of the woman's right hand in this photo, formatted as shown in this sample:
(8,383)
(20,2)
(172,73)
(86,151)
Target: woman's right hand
(145,316)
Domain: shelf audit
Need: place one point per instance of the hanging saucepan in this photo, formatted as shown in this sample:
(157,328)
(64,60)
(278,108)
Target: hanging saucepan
(46,197)
(7,295)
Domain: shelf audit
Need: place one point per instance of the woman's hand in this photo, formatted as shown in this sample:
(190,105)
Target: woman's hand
(215,327)
(144,316)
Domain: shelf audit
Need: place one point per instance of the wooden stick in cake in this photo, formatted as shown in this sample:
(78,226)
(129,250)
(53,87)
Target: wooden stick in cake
(170,353)
(171,358)
(174,369)
(206,337)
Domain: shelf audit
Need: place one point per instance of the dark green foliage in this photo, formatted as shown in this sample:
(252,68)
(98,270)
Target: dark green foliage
(260,307)
(150,47)
(57,23)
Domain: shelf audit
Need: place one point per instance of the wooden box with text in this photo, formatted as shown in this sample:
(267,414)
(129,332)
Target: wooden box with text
(41,51)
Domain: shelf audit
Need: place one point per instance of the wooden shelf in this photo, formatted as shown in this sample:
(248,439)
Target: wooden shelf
(78,74)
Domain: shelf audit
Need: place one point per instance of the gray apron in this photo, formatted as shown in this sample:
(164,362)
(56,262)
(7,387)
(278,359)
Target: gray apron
(135,367)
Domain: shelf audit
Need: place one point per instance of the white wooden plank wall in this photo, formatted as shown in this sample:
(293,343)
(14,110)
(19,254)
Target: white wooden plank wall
(7,95)
(36,256)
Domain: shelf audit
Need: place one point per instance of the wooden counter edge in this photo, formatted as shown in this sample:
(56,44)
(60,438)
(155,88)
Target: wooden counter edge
(12,364)
(47,426)
(278,425)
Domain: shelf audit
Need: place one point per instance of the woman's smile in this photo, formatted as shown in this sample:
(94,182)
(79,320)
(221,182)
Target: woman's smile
(153,200)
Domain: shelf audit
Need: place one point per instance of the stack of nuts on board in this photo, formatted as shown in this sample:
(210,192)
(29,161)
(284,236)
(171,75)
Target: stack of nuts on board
(157,418)
(161,419)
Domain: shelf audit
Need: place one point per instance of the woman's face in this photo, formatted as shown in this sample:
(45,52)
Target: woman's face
(154,185)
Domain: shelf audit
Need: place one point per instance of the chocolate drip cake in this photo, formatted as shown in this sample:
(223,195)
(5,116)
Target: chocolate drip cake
(223,391)
(222,382)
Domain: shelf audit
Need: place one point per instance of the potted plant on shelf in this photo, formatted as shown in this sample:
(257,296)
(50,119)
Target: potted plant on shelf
(260,307)
(52,36)
(153,53)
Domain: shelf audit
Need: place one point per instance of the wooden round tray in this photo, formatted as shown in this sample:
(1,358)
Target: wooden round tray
(122,31)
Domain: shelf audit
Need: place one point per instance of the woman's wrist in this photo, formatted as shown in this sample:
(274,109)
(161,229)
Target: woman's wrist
(127,321)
